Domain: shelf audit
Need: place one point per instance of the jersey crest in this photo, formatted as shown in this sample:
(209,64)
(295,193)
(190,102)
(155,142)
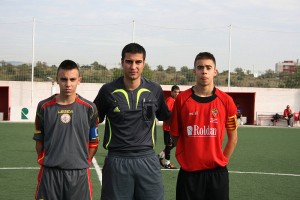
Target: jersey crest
(65,118)
(214,111)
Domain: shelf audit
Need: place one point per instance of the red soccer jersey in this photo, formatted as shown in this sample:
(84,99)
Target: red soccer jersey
(287,112)
(200,124)
(170,103)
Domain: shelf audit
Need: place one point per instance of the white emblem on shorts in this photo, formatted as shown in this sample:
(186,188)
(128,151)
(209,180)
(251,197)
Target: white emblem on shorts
(65,118)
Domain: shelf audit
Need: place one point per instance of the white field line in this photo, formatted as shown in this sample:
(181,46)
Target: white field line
(240,172)
(98,169)
(99,173)
(263,173)
(94,161)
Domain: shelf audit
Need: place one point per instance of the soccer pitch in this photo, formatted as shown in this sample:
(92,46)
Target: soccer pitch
(265,164)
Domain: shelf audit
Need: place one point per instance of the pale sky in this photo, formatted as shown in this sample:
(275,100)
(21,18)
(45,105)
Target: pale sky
(173,32)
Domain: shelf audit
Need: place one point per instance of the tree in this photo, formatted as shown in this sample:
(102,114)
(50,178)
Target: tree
(147,72)
(159,68)
(97,66)
(188,73)
(117,72)
(239,71)
(269,74)
(293,80)
(171,70)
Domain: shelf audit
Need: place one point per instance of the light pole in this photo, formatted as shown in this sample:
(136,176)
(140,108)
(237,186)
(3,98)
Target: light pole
(53,89)
(229,59)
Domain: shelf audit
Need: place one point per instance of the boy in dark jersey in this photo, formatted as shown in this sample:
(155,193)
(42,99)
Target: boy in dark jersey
(130,105)
(199,119)
(165,155)
(66,135)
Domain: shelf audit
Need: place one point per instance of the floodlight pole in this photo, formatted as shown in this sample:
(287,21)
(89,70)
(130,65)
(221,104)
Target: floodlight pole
(32,64)
(53,89)
(229,59)
(133,31)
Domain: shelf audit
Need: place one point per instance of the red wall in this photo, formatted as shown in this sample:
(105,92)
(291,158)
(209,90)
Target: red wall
(247,104)
(4,101)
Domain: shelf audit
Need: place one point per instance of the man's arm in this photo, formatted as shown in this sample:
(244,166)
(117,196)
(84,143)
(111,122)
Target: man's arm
(39,146)
(92,152)
(231,143)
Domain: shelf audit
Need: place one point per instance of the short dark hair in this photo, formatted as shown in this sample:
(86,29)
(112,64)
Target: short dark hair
(174,87)
(133,48)
(205,55)
(68,65)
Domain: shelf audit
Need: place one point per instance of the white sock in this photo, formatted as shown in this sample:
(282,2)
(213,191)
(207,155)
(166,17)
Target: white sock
(162,154)
(167,162)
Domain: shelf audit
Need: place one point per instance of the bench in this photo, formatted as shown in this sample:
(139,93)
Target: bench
(296,119)
(266,119)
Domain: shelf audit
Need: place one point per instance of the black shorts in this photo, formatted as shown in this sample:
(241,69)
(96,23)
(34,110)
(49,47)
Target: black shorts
(67,184)
(204,184)
(132,176)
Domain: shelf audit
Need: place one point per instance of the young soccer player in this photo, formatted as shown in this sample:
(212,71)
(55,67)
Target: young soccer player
(66,139)
(165,155)
(200,117)
(288,114)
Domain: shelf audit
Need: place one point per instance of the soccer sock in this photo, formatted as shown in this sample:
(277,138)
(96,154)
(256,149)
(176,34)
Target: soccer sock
(162,154)
(167,162)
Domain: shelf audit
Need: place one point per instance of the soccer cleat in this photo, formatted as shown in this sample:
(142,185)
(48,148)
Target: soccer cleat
(169,166)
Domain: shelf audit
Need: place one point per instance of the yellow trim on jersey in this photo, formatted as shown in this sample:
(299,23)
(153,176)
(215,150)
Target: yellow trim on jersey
(125,94)
(139,94)
(232,123)
(110,133)
(153,131)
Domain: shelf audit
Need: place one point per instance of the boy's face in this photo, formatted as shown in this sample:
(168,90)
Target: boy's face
(205,71)
(68,81)
(174,93)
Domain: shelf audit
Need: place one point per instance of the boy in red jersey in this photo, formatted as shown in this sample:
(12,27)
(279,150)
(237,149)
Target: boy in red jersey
(288,114)
(165,155)
(200,117)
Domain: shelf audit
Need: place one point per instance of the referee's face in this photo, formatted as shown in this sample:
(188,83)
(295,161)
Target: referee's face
(133,66)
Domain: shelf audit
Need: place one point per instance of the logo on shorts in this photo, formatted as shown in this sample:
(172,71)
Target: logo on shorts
(65,118)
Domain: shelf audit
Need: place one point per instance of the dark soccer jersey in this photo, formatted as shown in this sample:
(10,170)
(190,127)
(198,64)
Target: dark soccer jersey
(67,131)
(200,124)
(130,115)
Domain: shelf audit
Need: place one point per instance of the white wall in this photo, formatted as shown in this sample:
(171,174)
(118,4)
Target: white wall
(267,100)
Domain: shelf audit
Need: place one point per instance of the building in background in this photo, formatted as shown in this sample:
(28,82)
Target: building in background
(286,66)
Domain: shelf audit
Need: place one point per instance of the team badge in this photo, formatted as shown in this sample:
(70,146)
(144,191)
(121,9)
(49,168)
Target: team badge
(65,118)
(214,112)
